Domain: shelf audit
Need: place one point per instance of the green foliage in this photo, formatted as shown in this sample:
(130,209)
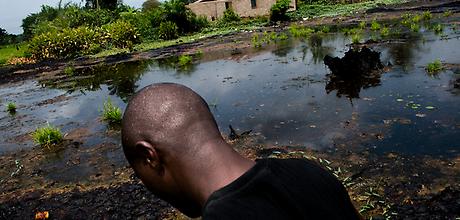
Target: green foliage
(385,32)
(297,31)
(120,34)
(103,4)
(230,16)
(434,67)
(70,42)
(279,9)
(140,22)
(375,26)
(447,13)
(184,60)
(47,13)
(416,18)
(414,27)
(111,114)
(168,30)
(47,136)
(356,38)
(11,107)
(426,15)
(74,42)
(362,24)
(437,28)
(255,40)
(149,5)
(69,70)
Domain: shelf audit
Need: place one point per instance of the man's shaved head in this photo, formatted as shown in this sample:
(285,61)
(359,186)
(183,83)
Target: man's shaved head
(166,131)
(170,115)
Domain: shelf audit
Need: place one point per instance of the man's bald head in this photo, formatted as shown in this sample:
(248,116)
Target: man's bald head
(168,115)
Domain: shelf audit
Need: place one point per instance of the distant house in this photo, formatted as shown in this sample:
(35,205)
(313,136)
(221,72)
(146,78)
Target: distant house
(213,9)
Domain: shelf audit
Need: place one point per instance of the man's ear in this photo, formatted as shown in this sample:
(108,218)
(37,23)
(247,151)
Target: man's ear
(149,154)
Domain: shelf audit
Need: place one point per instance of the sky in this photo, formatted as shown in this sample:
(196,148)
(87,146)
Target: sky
(13,11)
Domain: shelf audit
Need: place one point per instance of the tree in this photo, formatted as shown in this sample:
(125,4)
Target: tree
(3,36)
(148,5)
(103,4)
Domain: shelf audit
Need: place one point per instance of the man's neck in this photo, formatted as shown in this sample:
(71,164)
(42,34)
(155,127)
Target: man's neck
(222,166)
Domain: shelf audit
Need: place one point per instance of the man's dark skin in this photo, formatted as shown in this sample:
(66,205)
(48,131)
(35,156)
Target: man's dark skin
(172,142)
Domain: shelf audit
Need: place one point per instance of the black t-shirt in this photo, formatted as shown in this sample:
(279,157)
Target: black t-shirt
(281,189)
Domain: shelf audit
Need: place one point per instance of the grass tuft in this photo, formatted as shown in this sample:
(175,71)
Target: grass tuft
(47,136)
(375,26)
(356,39)
(434,67)
(184,60)
(111,114)
(11,107)
(69,70)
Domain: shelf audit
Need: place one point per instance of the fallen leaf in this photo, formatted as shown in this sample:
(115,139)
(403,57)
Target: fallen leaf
(42,215)
(430,107)
(420,115)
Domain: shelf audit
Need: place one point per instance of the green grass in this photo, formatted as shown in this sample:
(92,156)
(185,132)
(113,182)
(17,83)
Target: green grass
(10,51)
(426,15)
(47,136)
(111,114)
(69,70)
(415,27)
(356,38)
(385,32)
(297,31)
(184,60)
(434,67)
(437,28)
(256,42)
(11,107)
(322,10)
(375,26)
(151,45)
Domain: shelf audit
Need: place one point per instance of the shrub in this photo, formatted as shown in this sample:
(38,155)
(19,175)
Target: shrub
(279,9)
(297,31)
(356,38)
(434,67)
(437,28)
(375,26)
(111,113)
(140,22)
(185,60)
(426,15)
(230,16)
(120,34)
(69,70)
(385,31)
(414,27)
(168,30)
(255,41)
(67,43)
(47,136)
(11,107)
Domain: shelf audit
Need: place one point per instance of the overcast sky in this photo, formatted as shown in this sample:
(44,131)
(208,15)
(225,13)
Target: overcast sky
(13,11)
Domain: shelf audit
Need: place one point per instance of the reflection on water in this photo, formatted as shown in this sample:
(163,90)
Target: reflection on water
(283,93)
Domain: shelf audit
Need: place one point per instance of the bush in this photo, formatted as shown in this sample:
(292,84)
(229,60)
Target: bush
(279,9)
(47,136)
(120,34)
(111,113)
(230,16)
(67,43)
(168,30)
(434,67)
(185,60)
(140,21)
(11,107)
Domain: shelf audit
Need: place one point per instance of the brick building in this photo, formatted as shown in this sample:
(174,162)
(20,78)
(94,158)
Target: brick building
(213,9)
